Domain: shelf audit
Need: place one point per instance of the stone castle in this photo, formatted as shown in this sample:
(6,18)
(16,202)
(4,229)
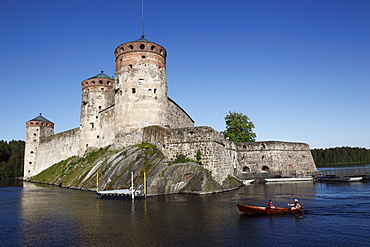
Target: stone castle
(134,107)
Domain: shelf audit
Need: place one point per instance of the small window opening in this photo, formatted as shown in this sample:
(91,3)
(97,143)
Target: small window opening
(152,48)
(133,90)
(131,47)
(155,90)
(265,169)
(142,46)
(101,82)
(143,56)
(97,137)
(130,66)
(92,125)
(30,162)
(246,169)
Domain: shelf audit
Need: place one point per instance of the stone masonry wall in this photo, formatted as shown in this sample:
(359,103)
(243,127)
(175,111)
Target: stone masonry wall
(57,147)
(275,159)
(223,157)
(187,141)
(177,117)
(106,126)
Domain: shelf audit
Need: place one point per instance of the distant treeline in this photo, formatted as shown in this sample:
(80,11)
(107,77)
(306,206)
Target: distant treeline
(11,159)
(340,156)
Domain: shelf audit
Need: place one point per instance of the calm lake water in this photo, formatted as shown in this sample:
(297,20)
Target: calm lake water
(38,215)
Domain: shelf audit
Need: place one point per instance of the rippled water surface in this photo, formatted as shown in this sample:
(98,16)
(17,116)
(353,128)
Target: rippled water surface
(38,215)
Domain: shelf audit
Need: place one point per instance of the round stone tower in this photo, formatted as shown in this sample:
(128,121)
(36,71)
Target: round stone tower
(97,95)
(36,129)
(141,86)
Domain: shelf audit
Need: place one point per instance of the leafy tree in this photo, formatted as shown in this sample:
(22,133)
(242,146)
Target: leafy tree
(239,128)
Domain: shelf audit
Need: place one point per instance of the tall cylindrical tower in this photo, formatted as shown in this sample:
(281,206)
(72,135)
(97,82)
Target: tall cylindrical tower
(141,86)
(97,95)
(36,129)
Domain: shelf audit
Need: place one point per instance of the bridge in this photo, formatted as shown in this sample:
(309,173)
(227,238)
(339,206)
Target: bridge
(363,172)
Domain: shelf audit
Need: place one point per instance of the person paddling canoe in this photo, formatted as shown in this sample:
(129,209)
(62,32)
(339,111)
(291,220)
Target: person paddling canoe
(270,205)
(295,205)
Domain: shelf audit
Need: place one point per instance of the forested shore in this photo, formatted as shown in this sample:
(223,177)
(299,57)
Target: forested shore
(341,156)
(11,159)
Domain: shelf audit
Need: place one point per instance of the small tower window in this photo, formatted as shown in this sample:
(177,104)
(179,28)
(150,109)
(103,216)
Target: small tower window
(142,46)
(155,90)
(131,47)
(101,82)
(92,125)
(143,56)
(133,90)
(153,48)
(130,66)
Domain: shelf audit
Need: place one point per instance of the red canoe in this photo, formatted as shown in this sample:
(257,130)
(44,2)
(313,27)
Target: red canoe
(244,209)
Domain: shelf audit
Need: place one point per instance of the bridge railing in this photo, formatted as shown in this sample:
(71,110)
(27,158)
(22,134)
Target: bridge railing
(347,171)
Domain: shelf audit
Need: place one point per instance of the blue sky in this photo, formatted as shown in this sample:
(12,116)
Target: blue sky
(300,70)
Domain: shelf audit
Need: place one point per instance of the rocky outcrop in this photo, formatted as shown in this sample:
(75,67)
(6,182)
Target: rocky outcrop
(108,169)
